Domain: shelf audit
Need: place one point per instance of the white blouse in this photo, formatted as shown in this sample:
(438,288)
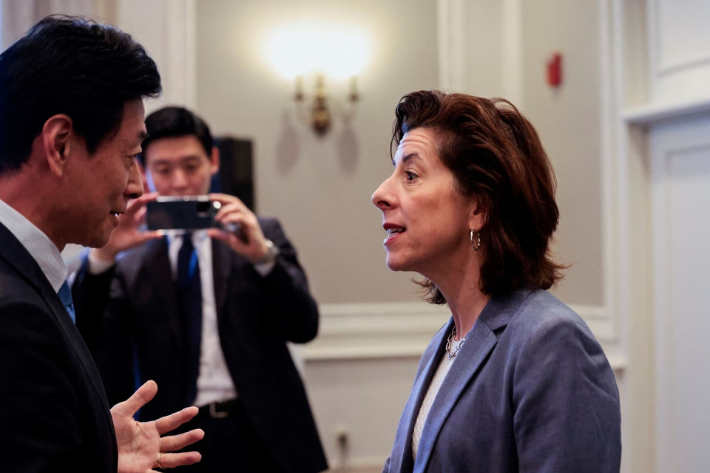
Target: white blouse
(432,391)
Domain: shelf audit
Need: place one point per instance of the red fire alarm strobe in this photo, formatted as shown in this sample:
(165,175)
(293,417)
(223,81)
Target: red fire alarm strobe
(554,70)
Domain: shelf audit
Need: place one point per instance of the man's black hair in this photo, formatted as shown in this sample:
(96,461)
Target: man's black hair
(174,122)
(74,66)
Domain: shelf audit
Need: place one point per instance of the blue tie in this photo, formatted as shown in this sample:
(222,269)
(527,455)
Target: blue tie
(65,296)
(189,292)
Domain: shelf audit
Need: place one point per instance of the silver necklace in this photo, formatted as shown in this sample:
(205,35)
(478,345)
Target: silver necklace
(450,354)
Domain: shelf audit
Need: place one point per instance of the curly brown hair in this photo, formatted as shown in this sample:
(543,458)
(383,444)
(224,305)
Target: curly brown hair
(497,158)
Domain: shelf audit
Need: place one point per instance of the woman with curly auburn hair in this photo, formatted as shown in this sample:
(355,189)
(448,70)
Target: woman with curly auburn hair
(516,381)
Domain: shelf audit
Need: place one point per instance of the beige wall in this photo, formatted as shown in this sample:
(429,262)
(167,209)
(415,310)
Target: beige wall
(319,187)
(568,120)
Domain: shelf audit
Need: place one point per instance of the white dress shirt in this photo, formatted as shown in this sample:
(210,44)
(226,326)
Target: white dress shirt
(42,249)
(214,383)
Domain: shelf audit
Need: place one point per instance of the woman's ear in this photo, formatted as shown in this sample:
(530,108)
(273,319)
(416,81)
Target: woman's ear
(478,215)
(56,141)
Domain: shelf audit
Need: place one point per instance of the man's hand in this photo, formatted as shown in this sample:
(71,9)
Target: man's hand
(234,211)
(127,235)
(140,443)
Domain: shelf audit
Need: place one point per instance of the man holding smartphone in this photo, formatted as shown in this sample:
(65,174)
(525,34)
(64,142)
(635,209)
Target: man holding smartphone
(207,314)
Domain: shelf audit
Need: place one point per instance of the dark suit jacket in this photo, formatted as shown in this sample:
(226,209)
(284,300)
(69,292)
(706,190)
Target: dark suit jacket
(53,411)
(529,391)
(256,316)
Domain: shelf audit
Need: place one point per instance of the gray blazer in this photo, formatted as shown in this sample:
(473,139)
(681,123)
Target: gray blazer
(530,391)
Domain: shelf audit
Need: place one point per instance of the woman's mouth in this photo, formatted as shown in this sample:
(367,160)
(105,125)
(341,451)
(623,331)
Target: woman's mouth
(393,232)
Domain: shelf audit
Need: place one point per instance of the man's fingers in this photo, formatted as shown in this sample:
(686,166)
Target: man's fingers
(140,398)
(220,235)
(137,204)
(173,460)
(140,216)
(228,238)
(176,442)
(146,236)
(173,421)
(225,198)
(230,209)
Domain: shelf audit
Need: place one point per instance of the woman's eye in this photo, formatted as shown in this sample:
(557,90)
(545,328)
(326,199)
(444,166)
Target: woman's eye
(410,175)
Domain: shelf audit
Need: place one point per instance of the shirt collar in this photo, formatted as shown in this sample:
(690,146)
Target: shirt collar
(42,249)
(198,237)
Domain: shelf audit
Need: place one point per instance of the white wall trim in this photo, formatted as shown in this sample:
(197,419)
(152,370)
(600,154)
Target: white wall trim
(403,329)
(659,66)
(453,44)
(663,149)
(681,66)
(180,42)
(618,167)
(381,330)
(649,114)
(513,52)
(607,172)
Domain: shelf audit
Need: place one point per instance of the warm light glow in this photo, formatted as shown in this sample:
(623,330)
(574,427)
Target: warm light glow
(339,52)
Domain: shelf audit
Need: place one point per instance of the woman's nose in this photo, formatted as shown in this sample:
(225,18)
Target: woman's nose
(380,198)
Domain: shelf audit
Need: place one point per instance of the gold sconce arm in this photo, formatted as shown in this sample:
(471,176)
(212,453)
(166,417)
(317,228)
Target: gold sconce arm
(320,113)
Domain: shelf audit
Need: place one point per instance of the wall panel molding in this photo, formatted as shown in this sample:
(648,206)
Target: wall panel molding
(676,76)
(404,329)
(672,143)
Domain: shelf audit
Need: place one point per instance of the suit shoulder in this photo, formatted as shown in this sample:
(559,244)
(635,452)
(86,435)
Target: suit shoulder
(268,223)
(543,312)
(15,290)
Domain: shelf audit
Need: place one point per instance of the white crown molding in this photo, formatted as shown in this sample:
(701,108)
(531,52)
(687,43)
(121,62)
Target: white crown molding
(652,113)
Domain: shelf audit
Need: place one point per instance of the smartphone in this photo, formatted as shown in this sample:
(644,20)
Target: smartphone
(181,213)
(188,213)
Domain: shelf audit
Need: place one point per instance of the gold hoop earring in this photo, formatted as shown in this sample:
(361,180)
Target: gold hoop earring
(475,248)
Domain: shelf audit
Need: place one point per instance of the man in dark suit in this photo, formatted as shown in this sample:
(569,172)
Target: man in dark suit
(71,121)
(206,314)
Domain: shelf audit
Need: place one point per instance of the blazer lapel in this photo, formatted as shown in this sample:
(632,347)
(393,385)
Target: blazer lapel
(221,265)
(402,460)
(158,276)
(473,354)
(75,339)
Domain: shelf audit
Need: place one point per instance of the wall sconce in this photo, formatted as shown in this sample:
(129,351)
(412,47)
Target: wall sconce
(317,51)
